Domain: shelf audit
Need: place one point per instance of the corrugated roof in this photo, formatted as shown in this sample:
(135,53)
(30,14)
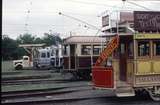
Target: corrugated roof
(31,45)
(85,39)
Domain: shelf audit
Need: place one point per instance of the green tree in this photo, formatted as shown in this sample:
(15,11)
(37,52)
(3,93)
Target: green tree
(9,48)
(26,39)
(51,39)
(38,40)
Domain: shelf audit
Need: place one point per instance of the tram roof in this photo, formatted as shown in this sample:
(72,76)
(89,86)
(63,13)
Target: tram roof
(120,34)
(122,31)
(32,45)
(85,39)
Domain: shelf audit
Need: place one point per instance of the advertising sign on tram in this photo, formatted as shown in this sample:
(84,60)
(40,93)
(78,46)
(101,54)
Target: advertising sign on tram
(147,21)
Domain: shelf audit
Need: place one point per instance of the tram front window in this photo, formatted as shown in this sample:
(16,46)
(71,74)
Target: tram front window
(143,48)
(43,55)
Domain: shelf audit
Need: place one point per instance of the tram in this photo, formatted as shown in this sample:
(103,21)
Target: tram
(80,53)
(135,60)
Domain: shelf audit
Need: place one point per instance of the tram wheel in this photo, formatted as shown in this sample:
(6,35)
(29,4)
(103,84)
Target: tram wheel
(154,93)
(85,75)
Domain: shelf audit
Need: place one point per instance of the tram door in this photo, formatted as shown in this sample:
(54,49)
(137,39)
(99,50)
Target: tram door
(123,61)
(72,56)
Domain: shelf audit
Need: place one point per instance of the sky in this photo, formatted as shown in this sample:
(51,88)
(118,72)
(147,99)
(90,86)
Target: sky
(37,17)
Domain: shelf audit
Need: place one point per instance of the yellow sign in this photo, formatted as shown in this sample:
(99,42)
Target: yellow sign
(147,36)
(108,50)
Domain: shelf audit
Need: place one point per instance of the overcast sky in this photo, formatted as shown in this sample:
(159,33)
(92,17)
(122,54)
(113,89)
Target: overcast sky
(40,16)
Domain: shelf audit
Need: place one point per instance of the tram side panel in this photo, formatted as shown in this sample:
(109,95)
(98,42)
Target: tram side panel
(65,63)
(147,71)
(79,64)
(85,62)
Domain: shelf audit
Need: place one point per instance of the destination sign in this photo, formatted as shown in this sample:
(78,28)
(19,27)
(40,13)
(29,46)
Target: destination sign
(147,21)
(105,21)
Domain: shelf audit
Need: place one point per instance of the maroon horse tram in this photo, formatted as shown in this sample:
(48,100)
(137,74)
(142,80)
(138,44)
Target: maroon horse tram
(80,53)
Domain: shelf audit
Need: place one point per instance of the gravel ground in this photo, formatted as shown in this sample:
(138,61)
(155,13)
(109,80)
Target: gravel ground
(90,96)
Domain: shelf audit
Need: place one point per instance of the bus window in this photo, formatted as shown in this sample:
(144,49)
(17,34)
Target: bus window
(143,48)
(156,50)
(86,50)
(43,55)
(52,53)
(96,49)
(57,53)
(48,55)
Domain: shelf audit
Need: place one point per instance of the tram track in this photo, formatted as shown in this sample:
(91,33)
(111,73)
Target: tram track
(49,101)
(35,81)
(40,93)
(51,96)
(25,77)
(10,73)
(44,90)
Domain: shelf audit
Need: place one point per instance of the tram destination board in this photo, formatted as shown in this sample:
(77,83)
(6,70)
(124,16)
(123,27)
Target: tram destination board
(105,21)
(147,21)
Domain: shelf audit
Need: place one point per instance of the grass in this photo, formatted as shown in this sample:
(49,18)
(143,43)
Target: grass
(9,72)
(7,66)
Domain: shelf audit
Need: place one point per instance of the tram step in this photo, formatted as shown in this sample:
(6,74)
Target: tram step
(125,92)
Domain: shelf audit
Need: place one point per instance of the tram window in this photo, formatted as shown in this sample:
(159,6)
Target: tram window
(96,49)
(156,48)
(109,62)
(43,55)
(103,47)
(130,50)
(116,53)
(122,48)
(143,48)
(65,50)
(86,50)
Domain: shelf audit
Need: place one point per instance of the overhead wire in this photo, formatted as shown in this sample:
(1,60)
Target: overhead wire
(133,3)
(97,4)
(144,0)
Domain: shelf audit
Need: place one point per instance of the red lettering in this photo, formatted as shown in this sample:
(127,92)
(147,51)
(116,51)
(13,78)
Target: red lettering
(108,50)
